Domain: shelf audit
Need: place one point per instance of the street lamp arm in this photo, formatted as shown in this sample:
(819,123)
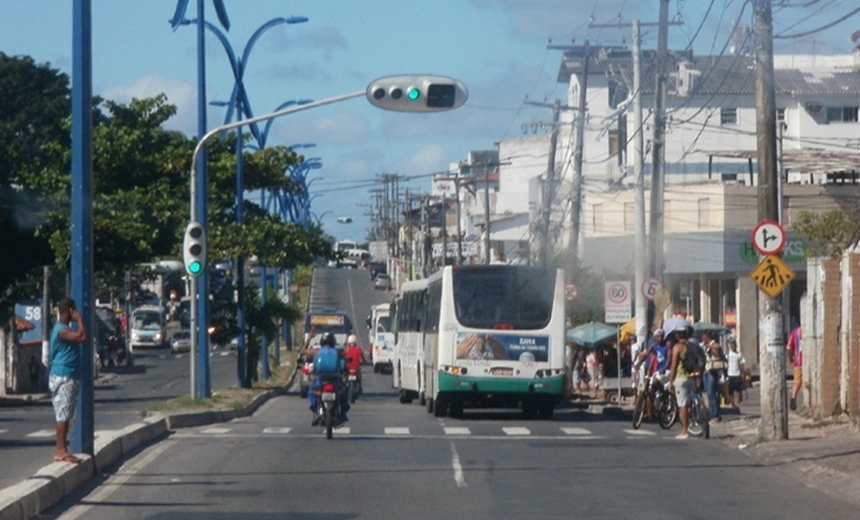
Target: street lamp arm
(264,117)
(265,27)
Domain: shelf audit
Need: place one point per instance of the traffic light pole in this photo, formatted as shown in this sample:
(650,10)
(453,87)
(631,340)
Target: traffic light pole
(396,93)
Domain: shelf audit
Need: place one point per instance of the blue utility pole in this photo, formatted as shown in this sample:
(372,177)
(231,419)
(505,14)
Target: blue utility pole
(203,389)
(82,214)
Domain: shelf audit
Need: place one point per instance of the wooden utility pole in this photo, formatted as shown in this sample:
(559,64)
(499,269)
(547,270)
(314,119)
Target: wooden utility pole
(774,410)
(548,188)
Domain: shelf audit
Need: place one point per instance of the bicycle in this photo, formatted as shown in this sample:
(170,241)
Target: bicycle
(699,420)
(657,400)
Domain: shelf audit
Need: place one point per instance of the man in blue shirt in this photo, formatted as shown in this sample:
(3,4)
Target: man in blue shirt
(64,378)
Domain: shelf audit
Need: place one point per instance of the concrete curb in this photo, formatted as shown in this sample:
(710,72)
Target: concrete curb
(53,482)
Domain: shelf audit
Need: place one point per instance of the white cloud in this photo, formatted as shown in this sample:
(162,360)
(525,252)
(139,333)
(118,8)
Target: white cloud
(179,93)
(428,158)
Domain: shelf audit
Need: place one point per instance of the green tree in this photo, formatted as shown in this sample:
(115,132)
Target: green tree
(826,234)
(35,99)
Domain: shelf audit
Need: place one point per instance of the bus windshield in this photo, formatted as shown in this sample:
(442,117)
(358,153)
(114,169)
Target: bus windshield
(508,299)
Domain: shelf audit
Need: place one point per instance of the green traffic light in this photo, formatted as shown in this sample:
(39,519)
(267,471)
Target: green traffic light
(195,267)
(414,94)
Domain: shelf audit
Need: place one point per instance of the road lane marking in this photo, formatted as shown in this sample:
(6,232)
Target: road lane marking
(454,430)
(396,431)
(576,431)
(516,430)
(115,482)
(43,433)
(282,431)
(459,477)
(640,433)
(216,431)
(3,431)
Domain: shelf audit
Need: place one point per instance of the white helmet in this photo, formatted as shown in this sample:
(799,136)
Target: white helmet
(352,340)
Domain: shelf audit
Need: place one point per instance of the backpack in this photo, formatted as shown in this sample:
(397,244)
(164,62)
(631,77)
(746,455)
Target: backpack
(326,362)
(694,359)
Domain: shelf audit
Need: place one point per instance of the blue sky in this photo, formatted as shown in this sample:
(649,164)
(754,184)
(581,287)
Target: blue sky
(498,48)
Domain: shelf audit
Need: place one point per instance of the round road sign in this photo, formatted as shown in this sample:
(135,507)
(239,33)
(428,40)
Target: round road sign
(768,237)
(651,287)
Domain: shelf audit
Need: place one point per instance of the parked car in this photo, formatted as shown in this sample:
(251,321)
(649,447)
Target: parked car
(181,341)
(383,281)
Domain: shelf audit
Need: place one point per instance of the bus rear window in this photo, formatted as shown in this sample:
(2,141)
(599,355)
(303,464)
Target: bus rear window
(497,298)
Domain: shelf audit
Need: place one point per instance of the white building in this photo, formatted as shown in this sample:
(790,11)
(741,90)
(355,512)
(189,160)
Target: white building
(710,194)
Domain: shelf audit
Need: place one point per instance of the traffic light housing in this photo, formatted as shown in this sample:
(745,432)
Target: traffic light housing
(417,93)
(194,249)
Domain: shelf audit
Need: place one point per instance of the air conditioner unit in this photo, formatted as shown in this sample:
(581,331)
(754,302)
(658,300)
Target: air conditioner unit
(813,108)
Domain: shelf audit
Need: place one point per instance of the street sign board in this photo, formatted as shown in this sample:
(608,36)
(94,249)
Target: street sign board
(772,275)
(768,237)
(617,304)
(651,287)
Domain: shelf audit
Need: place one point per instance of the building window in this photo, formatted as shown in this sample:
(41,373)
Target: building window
(728,116)
(704,213)
(597,218)
(780,114)
(629,217)
(613,142)
(841,114)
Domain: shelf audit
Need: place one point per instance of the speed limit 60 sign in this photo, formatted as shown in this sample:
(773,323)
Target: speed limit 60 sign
(617,302)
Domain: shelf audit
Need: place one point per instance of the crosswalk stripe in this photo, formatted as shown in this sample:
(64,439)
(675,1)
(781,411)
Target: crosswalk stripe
(515,430)
(216,431)
(43,433)
(641,433)
(456,430)
(576,431)
(396,431)
(277,430)
(342,431)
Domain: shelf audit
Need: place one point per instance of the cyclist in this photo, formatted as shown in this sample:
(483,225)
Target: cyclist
(679,380)
(354,356)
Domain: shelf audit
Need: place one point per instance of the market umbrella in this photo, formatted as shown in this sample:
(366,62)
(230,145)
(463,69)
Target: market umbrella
(702,326)
(627,330)
(674,323)
(591,334)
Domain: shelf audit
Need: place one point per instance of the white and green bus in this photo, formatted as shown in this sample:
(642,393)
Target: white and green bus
(481,336)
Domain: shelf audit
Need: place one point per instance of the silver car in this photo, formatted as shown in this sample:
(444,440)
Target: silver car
(181,341)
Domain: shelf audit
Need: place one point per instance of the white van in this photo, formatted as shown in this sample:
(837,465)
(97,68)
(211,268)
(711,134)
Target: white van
(381,338)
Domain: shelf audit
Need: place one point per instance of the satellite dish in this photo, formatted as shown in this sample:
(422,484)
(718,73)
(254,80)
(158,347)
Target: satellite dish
(855,37)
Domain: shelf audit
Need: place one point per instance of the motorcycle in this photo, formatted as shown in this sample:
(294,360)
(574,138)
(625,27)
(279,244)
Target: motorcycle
(328,407)
(354,383)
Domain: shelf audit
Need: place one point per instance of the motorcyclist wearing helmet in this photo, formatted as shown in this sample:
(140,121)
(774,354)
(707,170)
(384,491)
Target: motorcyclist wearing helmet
(328,348)
(354,356)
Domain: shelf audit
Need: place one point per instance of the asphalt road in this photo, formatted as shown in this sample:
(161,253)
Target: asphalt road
(397,461)
(27,433)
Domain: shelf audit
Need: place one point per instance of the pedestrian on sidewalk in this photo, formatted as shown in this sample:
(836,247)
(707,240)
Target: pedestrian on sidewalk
(795,353)
(64,378)
(735,369)
(715,372)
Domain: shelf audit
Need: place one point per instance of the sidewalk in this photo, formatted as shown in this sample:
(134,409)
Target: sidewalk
(823,455)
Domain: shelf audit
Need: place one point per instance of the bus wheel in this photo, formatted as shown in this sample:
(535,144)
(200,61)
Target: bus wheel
(429,405)
(546,410)
(440,407)
(530,409)
(455,409)
(405,398)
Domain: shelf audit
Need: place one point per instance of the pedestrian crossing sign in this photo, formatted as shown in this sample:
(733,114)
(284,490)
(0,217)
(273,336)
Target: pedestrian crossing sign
(772,275)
